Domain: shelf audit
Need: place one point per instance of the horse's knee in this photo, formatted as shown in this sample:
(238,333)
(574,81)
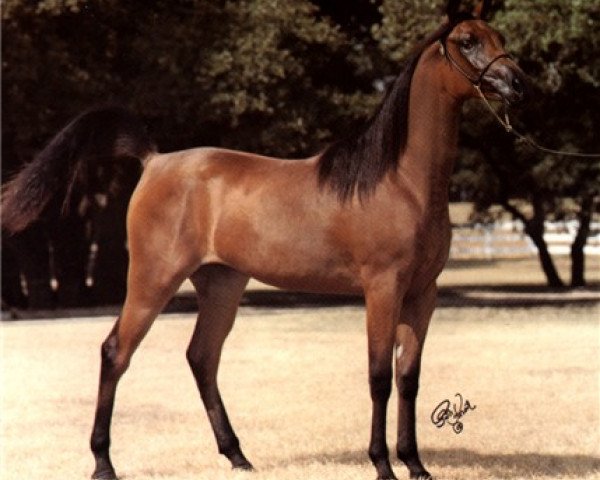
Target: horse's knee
(380,383)
(408,384)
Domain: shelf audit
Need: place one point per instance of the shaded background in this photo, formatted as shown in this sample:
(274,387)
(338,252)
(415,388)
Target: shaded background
(280,78)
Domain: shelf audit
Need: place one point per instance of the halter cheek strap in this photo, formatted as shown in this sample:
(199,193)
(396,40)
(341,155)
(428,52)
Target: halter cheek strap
(475,81)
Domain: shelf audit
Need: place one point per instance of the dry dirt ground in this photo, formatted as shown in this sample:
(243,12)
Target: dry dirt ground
(295,385)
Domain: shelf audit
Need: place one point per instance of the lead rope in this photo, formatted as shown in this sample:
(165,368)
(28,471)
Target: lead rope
(505,122)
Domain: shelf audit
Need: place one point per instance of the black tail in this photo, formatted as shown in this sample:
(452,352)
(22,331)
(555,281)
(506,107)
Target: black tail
(109,132)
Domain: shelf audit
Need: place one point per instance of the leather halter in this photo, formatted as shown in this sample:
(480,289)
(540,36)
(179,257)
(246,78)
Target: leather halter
(475,81)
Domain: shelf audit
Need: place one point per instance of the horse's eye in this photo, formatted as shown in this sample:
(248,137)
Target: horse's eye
(467,44)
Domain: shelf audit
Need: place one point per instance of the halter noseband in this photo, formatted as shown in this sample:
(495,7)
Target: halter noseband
(475,81)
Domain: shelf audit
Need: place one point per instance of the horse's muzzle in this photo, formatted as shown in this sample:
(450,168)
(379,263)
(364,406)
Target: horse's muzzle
(508,81)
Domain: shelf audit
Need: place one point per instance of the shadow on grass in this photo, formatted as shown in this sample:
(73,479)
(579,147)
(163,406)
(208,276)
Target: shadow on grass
(500,465)
(506,296)
(514,465)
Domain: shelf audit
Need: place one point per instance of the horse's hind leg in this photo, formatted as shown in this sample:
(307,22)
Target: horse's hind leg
(219,290)
(146,296)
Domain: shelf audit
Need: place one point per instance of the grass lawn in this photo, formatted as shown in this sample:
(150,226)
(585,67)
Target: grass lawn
(295,384)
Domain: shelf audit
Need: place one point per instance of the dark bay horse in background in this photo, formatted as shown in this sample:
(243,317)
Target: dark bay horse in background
(369,215)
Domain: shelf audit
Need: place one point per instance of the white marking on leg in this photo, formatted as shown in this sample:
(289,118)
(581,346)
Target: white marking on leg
(399,352)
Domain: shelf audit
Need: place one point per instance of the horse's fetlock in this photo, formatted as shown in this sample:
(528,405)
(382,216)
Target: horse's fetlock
(378,452)
(406,453)
(230,448)
(99,443)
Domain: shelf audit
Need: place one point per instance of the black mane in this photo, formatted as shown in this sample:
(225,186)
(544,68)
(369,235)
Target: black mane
(357,163)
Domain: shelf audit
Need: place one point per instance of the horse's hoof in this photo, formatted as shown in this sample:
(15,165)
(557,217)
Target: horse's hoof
(104,475)
(389,476)
(103,468)
(243,465)
(424,475)
(386,474)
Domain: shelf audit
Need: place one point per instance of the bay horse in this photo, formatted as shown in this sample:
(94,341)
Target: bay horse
(368,215)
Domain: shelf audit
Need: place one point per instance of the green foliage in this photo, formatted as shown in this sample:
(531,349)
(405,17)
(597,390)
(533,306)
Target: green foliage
(404,23)
(262,75)
(277,76)
(557,38)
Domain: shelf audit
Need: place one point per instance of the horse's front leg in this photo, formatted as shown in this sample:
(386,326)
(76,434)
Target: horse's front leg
(410,336)
(383,302)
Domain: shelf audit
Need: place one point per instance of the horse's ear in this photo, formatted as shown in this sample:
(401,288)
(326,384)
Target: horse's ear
(452,9)
(482,9)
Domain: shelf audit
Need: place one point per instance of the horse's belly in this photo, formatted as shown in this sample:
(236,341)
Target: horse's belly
(298,262)
(328,282)
(289,250)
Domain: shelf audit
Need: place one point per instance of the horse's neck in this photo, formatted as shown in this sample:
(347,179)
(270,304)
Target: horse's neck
(432,140)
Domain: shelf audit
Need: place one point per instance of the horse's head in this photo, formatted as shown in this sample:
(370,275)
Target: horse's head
(476,57)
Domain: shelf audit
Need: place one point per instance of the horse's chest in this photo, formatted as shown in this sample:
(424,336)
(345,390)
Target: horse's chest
(433,240)
(431,249)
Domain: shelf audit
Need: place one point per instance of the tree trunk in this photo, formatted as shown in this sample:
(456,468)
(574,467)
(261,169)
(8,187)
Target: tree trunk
(70,254)
(110,235)
(12,293)
(577,248)
(534,228)
(110,267)
(552,277)
(31,251)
